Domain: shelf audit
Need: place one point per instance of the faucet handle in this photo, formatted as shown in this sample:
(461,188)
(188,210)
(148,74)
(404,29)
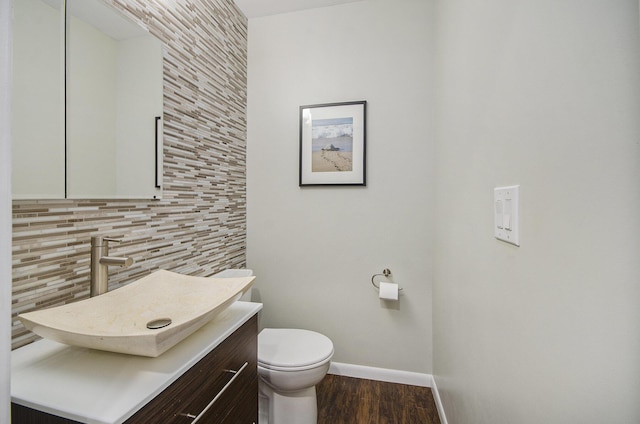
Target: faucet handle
(99,241)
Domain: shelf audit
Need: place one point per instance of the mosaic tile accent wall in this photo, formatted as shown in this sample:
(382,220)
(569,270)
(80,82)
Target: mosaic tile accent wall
(199,227)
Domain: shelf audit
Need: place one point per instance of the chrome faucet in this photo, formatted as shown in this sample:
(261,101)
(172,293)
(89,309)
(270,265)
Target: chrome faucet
(100,260)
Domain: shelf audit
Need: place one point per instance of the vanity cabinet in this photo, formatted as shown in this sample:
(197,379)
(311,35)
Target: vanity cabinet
(222,388)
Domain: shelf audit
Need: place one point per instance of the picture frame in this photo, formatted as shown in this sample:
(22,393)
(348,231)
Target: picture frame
(333,144)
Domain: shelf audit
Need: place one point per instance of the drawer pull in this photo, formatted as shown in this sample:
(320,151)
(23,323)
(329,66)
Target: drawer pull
(226,386)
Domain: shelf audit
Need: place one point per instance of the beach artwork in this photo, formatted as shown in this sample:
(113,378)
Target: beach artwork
(332,145)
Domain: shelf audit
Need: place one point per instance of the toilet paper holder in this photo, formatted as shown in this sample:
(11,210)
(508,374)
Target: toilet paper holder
(386,273)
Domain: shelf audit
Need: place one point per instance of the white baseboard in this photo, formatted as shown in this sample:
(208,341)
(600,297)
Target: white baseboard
(391,376)
(381,374)
(436,398)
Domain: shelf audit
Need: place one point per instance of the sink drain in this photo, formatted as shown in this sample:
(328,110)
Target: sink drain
(158,323)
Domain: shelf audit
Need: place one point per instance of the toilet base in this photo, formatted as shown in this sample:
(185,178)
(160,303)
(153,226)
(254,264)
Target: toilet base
(300,407)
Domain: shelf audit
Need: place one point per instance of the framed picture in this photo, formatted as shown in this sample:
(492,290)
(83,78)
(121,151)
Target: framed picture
(332,144)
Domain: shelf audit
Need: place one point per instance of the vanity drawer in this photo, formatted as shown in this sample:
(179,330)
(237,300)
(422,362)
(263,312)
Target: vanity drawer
(235,404)
(224,383)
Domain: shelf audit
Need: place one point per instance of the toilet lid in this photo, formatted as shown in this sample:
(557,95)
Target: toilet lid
(292,348)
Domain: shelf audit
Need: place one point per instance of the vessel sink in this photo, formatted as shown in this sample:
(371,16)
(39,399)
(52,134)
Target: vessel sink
(173,305)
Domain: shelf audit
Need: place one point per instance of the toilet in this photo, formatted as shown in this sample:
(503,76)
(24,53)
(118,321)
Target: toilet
(290,363)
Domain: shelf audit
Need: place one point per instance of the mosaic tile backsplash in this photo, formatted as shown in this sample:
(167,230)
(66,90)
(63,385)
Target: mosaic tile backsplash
(199,227)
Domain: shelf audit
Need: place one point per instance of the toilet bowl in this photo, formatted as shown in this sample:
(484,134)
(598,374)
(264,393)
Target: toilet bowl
(290,364)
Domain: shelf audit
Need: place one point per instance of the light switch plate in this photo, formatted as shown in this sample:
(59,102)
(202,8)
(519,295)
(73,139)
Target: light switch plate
(506,210)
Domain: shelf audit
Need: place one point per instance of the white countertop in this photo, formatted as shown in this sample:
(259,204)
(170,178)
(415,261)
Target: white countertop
(93,386)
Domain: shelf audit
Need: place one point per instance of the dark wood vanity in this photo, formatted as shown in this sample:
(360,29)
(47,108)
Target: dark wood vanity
(222,387)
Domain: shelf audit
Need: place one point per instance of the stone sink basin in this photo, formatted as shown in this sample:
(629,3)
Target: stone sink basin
(117,320)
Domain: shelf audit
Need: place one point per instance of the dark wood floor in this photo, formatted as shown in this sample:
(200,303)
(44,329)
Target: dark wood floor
(346,400)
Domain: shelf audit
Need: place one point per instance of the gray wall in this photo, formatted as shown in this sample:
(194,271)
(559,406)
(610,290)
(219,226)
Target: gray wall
(544,94)
(314,250)
(5,208)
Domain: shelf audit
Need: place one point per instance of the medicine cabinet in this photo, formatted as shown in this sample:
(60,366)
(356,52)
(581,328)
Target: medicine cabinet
(86,103)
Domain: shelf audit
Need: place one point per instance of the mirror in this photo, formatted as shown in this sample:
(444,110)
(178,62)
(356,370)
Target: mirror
(105,140)
(37,123)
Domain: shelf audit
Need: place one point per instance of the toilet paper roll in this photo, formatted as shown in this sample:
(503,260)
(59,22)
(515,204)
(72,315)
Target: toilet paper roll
(388,291)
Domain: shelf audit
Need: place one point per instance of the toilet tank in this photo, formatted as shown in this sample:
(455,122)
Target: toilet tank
(234,273)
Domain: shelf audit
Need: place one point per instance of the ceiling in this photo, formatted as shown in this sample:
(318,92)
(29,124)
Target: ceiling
(258,8)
